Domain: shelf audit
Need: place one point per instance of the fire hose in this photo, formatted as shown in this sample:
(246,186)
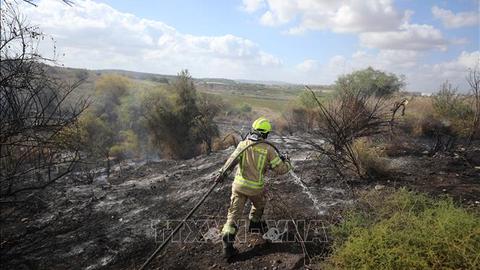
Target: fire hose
(199,203)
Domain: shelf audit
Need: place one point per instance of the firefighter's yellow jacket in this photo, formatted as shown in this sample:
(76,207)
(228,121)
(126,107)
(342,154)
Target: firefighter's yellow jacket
(252,165)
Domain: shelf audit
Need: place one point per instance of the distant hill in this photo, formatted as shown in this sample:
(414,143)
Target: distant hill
(265,82)
(165,77)
(270,94)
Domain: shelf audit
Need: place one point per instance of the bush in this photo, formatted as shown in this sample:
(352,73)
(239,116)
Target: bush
(453,110)
(406,230)
(420,111)
(35,107)
(109,91)
(180,124)
(301,114)
(446,117)
(299,119)
(369,82)
(343,120)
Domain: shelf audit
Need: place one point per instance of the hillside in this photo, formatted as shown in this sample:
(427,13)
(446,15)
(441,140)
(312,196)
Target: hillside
(273,96)
(117,223)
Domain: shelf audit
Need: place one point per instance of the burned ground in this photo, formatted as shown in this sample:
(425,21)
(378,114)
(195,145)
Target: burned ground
(112,224)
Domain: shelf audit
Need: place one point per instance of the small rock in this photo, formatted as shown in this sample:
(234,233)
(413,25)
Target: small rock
(444,190)
(213,266)
(477,167)
(379,187)
(24,219)
(425,152)
(477,202)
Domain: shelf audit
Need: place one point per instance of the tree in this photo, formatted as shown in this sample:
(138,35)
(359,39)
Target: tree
(185,111)
(34,109)
(206,129)
(109,91)
(370,82)
(179,124)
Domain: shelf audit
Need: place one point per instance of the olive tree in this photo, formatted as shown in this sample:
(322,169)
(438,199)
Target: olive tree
(370,82)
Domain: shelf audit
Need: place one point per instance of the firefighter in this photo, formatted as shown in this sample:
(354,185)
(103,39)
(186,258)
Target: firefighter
(249,181)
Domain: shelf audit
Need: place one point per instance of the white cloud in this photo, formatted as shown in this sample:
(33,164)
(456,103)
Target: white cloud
(409,37)
(268,19)
(94,35)
(339,16)
(377,22)
(307,65)
(251,6)
(419,77)
(386,59)
(456,20)
(463,62)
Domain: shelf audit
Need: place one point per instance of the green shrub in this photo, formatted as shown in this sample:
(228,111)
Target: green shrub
(370,82)
(453,110)
(179,124)
(406,230)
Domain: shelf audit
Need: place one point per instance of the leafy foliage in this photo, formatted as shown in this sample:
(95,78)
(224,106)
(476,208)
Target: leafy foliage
(179,124)
(406,230)
(369,82)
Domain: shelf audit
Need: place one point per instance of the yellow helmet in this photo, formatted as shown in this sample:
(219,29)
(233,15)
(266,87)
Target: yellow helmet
(262,125)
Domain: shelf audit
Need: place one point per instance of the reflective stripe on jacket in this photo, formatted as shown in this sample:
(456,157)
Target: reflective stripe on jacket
(252,165)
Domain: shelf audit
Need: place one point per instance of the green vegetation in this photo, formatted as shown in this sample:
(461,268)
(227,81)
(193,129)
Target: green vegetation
(131,118)
(178,124)
(369,82)
(274,104)
(448,117)
(453,109)
(406,230)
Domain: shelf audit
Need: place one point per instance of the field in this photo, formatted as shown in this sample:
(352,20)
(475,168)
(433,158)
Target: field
(112,212)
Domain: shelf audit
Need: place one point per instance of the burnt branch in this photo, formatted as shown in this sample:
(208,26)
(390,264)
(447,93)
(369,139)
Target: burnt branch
(35,109)
(350,116)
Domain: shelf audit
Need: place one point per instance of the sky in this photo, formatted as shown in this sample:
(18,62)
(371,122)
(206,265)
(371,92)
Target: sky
(302,41)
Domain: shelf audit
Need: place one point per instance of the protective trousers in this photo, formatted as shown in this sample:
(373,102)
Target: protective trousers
(237,203)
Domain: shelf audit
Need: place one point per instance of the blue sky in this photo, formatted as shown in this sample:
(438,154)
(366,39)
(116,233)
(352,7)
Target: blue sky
(304,41)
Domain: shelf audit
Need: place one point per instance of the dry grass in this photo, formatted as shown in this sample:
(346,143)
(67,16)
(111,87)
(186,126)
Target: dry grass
(418,114)
(371,158)
(424,118)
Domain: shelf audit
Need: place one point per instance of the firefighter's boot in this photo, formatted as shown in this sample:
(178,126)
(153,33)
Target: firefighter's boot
(228,249)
